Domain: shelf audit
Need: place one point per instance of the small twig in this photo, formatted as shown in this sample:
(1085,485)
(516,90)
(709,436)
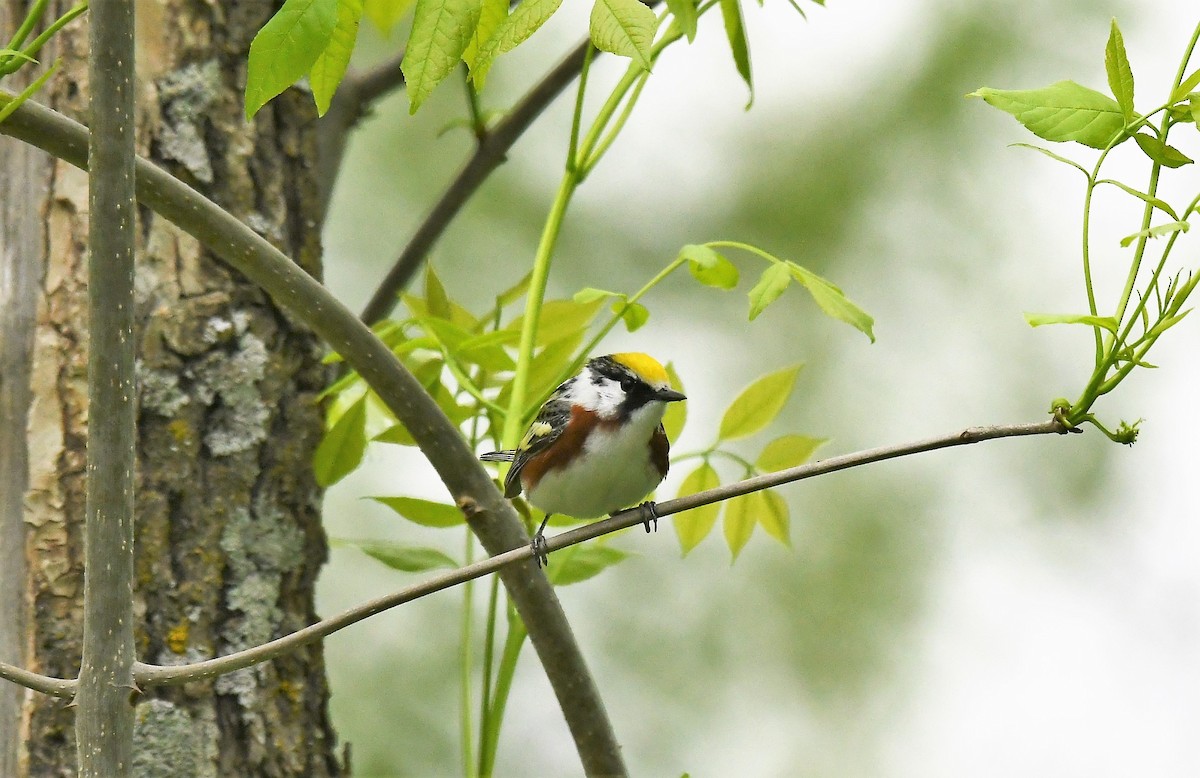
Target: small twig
(489,155)
(151,675)
(55,687)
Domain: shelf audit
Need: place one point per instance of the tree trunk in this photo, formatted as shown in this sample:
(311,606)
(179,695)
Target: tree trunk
(229,539)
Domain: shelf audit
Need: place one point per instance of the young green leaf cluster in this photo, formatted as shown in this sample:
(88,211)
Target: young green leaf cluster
(755,408)
(315,38)
(1154,295)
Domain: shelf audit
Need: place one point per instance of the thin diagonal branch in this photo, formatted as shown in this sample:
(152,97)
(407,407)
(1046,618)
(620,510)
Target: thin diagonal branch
(151,675)
(489,155)
(438,438)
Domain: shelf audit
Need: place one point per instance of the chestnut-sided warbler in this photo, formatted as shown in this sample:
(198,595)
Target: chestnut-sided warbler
(597,445)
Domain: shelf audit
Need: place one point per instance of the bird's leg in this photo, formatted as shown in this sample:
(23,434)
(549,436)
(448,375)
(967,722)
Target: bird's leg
(652,509)
(541,554)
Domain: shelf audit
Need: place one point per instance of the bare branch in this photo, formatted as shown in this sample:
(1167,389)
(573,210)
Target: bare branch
(489,155)
(55,687)
(151,675)
(491,517)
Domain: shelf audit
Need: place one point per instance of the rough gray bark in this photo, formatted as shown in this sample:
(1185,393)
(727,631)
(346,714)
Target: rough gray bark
(23,191)
(228,533)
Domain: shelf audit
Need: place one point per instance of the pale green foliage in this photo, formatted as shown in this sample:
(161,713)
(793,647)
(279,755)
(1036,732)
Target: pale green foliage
(693,526)
(624,27)
(440,34)
(286,48)
(331,64)
(384,14)
(758,404)
(399,556)
(1152,299)
(1064,111)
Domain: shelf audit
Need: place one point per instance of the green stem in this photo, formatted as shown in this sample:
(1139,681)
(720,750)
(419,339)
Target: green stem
(504,678)
(47,34)
(468,738)
(31,18)
(577,116)
(489,651)
(613,319)
(533,309)
(474,107)
(734,244)
(603,145)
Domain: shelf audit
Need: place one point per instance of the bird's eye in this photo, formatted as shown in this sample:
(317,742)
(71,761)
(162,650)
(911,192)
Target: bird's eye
(627,385)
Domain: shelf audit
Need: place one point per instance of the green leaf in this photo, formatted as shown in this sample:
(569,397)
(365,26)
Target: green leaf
(1120,74)
(590,294)
(694,525)
(492,14)
(758,404)
(517,290)
(735,31)
(1104,322)
(7,54)
(623,27)
(1154,201)
(398,556)
(437,302)
(1155,232)
(1166,324)
(1185,86)
(787,451)
(771,284)
(385,13)
(581,562)
(330,67)
(833,301)
(487,350)
(709,267)
(1157,151)
(7,109)
(440,33)
(1061,112)
(559,319)
(396,435)
(740,518)
(685,14)
(424,512)
(774,516)
(1054,156)
(285,49)
(343,446)
(635,315)
(676,416)
(524,21)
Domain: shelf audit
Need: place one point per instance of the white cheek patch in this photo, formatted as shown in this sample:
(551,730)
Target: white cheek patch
(604,398)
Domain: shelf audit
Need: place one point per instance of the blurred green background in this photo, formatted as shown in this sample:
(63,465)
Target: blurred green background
(1021,607)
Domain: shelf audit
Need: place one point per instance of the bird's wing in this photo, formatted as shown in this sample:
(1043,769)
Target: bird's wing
(546,428)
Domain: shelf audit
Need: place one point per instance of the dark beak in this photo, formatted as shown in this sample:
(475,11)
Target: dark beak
(669,395)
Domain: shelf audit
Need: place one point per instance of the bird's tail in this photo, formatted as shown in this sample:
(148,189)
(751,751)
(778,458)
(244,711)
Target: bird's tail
(499,456)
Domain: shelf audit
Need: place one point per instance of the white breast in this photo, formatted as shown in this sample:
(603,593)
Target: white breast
(614,471)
